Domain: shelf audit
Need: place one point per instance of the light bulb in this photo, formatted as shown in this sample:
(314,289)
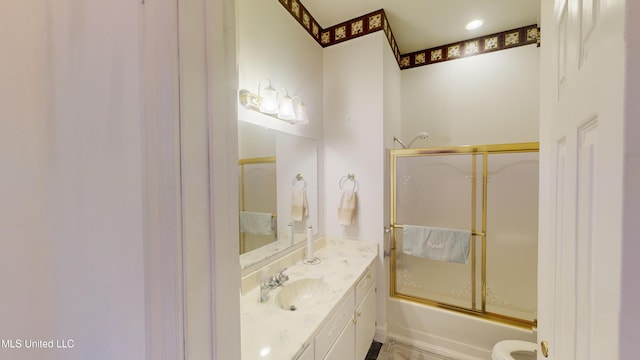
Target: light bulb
(301,112)
(268,98)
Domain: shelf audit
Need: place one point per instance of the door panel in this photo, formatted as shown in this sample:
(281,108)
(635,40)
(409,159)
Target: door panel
(343,348)
(587,150)
(581,137)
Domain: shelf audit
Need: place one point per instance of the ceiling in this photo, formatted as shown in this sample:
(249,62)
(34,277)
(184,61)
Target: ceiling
(423,24)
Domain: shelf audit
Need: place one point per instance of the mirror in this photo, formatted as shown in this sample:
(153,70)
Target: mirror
(273,167)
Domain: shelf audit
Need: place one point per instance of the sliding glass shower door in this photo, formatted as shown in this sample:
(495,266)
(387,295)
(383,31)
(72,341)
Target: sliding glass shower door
(488,192)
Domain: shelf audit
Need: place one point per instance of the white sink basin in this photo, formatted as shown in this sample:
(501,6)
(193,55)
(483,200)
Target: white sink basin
(301,294)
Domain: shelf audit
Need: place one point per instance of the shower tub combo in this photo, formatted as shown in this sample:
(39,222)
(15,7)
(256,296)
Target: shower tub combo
(460,301)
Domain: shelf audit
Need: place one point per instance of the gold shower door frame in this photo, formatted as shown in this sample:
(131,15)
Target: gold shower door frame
(476,150)
(242,163)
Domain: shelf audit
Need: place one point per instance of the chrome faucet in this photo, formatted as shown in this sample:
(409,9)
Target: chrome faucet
(278,279)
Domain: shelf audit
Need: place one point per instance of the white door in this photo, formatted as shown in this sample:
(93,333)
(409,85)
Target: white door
(581,138)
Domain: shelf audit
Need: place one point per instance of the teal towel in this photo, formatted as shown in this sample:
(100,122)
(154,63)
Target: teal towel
(451,245)
(256,223)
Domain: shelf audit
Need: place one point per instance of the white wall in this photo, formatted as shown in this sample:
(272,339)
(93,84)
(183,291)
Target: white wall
(353,126)
(24,259)
(72,193)
(630,314)
(209,173)
(355,110)
(222,80)
(486,99)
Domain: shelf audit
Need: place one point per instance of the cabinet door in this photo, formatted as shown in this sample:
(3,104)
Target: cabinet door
(365,324)
(334,327)
(342,349)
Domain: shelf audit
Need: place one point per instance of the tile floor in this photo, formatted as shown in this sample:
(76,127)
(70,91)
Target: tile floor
(396,351)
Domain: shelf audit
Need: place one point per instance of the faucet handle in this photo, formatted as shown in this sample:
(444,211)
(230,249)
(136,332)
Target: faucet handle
(281,276)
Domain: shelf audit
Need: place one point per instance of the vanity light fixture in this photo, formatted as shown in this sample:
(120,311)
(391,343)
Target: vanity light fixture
(268,98)
(300,110)
(275,103)
(285,110)
(474,24)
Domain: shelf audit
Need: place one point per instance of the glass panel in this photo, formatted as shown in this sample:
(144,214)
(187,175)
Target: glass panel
(435,191)
(257,195)
(512,234)
(287,155)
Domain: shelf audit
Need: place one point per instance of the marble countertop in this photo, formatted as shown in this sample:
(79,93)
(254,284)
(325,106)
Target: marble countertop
(269,332)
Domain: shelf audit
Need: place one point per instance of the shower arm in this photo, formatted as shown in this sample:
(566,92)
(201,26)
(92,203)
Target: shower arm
(399,142)
(422,135)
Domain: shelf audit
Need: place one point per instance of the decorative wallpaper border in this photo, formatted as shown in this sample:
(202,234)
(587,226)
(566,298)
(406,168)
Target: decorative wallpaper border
(304,17)
(351,29)
(377,20)
(360,26)
(500,41)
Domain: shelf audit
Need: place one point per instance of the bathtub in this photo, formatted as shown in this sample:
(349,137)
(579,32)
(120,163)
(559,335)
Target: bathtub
(446,332)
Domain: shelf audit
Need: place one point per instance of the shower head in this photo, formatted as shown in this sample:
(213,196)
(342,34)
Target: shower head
(422,135)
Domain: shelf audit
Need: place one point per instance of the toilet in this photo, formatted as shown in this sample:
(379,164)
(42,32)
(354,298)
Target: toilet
(514,350)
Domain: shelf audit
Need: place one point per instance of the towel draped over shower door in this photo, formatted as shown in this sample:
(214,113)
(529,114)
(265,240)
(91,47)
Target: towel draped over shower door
(433,243)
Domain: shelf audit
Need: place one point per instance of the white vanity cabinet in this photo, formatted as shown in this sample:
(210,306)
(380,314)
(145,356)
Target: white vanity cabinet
(349,332)
(338,325)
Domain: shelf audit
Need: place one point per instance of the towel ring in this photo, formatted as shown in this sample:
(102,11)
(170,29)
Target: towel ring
(298,178)
(350,177)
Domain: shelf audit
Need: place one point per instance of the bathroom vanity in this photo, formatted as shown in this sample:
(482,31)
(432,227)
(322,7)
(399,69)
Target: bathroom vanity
(323,311)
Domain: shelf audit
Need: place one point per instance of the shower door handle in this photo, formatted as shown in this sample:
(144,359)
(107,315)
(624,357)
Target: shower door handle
(544,347)
(387,240)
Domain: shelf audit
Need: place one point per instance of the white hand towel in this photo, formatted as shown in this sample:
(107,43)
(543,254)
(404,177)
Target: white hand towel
(256,223)
(433,243)
(299,207)
(347,207)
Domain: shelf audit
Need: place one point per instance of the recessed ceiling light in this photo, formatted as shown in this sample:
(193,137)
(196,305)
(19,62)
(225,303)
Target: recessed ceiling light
(474,24)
